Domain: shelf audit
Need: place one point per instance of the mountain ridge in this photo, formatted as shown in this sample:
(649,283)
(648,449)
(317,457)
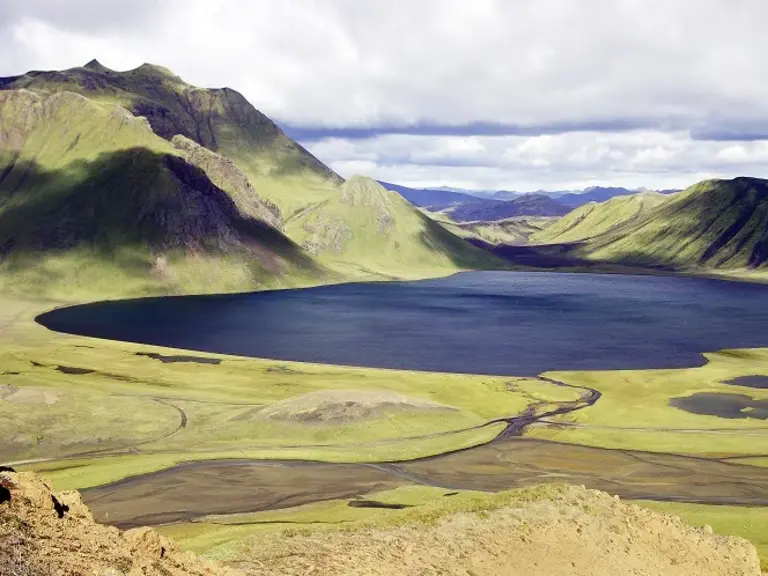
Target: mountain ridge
(90,179)
(136,182)
(713,224)
(220,119)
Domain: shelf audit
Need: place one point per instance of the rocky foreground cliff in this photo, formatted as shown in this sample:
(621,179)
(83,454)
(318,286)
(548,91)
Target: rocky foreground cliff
(570,531)
(47,534)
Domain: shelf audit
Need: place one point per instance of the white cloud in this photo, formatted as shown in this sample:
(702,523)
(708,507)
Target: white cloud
(562,161)
(664,67)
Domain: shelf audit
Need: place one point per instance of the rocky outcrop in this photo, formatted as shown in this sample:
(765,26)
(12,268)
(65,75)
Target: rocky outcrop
(226,175)
(48,534)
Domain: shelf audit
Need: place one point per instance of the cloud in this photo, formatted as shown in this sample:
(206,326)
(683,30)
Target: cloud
(427,70)
(90,17)
(554,162)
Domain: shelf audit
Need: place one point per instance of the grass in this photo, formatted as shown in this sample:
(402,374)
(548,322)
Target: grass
(128,400)
(748,523)
(372,230)
(716,224)
(80,473)
(75,159)
(512,231)
(117,400)
(594,219)
(634,410)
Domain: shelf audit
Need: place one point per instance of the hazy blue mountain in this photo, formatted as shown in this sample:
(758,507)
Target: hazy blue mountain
(429,197)
(492,210)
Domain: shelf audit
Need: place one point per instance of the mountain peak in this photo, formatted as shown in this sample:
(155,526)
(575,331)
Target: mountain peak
(362,190)
(96,66)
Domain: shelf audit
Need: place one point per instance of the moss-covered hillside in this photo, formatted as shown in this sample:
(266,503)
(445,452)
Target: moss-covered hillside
(133,183)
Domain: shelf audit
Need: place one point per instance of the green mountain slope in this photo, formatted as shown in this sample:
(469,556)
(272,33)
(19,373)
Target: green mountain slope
(368,229)
(93,201)
(513,231)
(714,224)
(221,120)
(130,183)
(596,218)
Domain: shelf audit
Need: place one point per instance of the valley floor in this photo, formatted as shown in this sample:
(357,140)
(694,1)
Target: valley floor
(146,427)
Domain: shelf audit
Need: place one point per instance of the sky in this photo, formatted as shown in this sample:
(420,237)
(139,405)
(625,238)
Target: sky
(481,94)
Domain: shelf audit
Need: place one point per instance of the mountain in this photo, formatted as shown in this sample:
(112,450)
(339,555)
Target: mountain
(515,231)
(601,194)
(592,194)
(444,196)
(489,210)
(92,199)
(373,230)
(596,218)
(719,224)
(133,183)
(428,196)
(495,195)
(221,120)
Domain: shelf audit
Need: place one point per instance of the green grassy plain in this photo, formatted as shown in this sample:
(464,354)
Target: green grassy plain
(102,410)
(87,412)
(634,411)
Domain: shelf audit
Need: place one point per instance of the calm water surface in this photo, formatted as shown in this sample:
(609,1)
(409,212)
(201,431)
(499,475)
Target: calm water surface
(514,323)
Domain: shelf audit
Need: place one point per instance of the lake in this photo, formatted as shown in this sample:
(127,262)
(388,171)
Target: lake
(506,323)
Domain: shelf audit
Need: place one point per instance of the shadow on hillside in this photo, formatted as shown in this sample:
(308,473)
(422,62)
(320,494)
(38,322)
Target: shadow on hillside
(132,197)
(559,256)
(463,254)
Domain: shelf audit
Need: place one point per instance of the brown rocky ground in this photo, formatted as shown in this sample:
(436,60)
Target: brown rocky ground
(568,531)
(563,531)
(46,534)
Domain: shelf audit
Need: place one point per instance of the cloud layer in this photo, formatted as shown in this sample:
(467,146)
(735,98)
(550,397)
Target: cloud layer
(488,93)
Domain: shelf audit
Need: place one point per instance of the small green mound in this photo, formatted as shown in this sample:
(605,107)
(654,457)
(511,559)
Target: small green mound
(338,406)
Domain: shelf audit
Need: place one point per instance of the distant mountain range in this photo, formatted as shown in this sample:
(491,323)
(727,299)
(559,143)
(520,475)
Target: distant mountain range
(713,225)
(560,202)
(492,210)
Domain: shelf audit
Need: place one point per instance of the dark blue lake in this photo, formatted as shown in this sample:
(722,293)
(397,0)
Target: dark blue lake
(514,323)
